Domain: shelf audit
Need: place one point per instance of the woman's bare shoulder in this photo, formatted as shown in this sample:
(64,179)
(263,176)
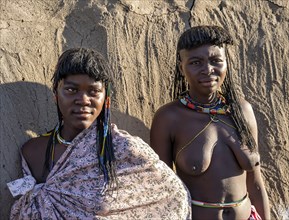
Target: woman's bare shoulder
(34,147)
(169,110)
(245,104)
(247,109)
(35,142)
(249,116)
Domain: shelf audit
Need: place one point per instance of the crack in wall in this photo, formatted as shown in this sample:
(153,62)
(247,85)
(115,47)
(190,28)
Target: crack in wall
(191,9)
(274,4)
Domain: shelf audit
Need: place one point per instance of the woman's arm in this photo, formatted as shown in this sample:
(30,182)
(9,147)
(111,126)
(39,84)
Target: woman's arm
(255,183)
(160,136)
(246,158)
(257,192)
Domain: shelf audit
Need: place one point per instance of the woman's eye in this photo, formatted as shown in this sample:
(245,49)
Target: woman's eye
(94,91)
(71,90)
(217,61)
(195,62)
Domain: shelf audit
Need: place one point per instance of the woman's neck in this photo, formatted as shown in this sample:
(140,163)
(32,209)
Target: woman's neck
(209,99)
(67,133)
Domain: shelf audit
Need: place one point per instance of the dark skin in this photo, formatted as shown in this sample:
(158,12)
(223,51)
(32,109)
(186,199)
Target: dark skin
(80,99)
(34,153)
(215,162)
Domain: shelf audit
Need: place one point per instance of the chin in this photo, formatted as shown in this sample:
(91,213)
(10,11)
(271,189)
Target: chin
(209,92)
(83,125)
(213,89)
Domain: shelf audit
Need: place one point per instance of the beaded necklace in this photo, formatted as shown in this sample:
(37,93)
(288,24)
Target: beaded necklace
(218,107)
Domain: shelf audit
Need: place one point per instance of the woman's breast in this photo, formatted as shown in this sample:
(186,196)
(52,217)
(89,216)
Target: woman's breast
(202,150)
(195,158)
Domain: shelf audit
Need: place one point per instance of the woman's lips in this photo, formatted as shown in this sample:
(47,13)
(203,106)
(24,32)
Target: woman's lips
(82,114)
(208,82)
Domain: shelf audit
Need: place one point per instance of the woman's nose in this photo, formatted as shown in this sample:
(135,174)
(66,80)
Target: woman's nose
(82,99)
(208,69)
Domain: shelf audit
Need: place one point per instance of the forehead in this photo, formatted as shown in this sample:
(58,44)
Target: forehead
(206,50)
(80,79)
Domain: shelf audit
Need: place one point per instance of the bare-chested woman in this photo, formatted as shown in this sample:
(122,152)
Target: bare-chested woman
(209,133)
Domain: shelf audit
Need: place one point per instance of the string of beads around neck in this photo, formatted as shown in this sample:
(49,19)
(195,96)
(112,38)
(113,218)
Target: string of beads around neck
(220,106)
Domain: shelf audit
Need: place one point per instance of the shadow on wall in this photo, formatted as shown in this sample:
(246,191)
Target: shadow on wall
(26,109)
(131,124)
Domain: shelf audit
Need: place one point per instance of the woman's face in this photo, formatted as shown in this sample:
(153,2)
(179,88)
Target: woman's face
(205,69)
(80,100)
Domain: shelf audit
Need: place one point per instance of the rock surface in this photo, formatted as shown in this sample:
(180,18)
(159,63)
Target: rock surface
(139,39)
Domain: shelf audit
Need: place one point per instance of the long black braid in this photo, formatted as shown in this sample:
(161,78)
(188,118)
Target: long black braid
(87,62)
(215,35)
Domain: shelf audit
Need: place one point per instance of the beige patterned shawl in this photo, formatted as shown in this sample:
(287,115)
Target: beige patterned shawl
(147,188)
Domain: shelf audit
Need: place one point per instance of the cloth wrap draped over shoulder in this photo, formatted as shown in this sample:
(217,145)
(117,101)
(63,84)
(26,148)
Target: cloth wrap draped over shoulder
(147,188)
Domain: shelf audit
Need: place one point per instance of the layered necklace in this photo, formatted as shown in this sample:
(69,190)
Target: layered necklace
(220,106)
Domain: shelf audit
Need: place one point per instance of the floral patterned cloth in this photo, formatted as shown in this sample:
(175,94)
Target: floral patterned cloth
(146,189)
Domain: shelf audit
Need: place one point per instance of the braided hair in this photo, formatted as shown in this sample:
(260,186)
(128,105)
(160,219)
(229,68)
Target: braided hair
(215,35)
(84,61)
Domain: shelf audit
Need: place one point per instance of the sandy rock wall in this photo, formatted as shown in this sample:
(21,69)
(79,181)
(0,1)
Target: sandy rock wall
(139,39)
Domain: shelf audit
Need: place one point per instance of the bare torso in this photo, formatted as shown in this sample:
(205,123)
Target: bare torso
(206,163)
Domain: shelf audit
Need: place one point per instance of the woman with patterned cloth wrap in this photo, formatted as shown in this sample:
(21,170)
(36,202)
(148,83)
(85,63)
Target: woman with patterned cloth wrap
(210,133)
(86,168)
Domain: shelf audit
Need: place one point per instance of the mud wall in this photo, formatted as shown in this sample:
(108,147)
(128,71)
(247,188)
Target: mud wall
(139,37)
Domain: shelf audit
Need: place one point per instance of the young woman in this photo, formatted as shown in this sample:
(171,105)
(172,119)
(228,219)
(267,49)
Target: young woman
(209,133)
(86,168)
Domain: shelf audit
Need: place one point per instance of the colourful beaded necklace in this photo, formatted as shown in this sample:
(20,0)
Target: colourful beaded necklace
(218,107)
